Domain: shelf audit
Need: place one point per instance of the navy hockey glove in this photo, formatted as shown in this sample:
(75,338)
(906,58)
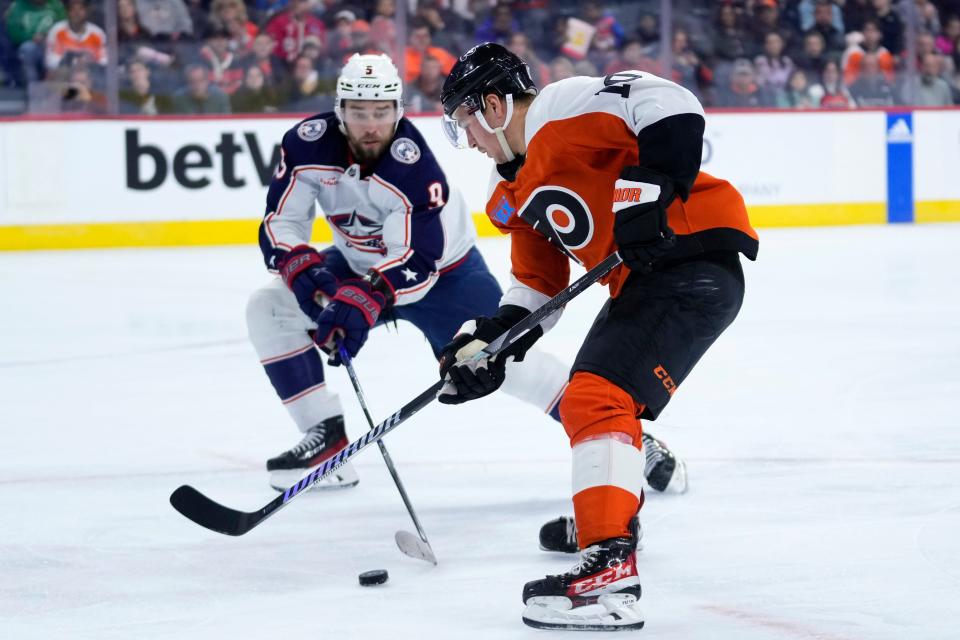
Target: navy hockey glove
(467,377)
(351,313)
(640,224)
(303,272)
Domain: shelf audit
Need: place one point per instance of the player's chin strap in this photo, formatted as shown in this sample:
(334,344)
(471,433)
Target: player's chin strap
(502,139)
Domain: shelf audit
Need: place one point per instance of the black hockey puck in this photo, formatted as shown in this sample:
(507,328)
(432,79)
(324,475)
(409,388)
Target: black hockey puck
(370,578)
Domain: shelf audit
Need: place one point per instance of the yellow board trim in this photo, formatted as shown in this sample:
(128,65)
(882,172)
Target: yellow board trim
(182,233)
(937,211)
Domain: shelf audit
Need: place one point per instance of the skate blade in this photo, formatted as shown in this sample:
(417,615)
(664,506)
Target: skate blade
(343,478)
(612,612)
(679,482)
(414,547)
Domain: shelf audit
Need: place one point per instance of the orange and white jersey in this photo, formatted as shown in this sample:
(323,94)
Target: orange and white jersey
(62,40)
(580,133)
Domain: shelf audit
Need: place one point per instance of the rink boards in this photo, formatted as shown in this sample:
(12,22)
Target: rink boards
(67,183)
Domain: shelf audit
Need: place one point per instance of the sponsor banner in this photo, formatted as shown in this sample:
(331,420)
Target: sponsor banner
(936,158)
(204,181)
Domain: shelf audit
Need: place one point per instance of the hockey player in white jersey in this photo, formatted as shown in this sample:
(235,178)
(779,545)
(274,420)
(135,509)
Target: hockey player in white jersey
(403,249)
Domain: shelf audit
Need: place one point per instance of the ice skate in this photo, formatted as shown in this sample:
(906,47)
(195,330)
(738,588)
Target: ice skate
(560,535)
(318,444)
(665,472)
(600,593)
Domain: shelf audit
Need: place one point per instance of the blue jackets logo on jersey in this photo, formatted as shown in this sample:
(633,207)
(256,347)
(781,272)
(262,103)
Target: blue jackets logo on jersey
(503,211)
(311,130)
(405,150)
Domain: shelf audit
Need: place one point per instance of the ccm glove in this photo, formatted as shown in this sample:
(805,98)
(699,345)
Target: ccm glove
(468,377)
(303,272)
(640,217)
(351,313)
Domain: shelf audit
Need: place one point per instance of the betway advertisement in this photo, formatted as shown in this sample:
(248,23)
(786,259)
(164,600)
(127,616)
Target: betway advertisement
(787,165)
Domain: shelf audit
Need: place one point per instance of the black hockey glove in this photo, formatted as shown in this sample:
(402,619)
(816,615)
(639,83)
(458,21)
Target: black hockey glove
(640,224)
(304,274)
(467,377)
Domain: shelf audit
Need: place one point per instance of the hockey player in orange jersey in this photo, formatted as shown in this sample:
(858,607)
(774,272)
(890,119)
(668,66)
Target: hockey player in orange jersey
(586,167)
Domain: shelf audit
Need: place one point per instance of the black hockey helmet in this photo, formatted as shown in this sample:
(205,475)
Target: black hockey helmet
(487,68)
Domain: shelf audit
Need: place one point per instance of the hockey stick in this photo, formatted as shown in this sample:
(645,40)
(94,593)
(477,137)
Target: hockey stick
(216,517)
(406,541)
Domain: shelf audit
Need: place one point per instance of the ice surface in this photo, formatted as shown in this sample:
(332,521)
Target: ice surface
(821,431)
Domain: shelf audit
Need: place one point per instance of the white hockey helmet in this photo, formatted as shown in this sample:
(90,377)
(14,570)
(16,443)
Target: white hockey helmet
(369,77)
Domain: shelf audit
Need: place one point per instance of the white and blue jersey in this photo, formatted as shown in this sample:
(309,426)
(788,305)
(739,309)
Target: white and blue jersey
(398,218)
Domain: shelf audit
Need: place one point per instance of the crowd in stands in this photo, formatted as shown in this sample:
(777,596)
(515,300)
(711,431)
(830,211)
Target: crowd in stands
(256,56)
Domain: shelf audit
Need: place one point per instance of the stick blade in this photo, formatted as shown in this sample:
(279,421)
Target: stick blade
(414,547)
(211,515)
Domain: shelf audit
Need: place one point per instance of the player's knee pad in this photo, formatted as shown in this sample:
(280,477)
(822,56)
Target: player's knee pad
(267,309)
(592,405)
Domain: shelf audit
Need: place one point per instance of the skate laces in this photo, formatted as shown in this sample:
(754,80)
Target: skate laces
(588,557)
(653,451)
(313,438)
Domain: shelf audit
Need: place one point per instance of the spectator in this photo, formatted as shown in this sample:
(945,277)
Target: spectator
(648,32)
(561,68)
(75,40)
(807,10)
(448,28)
(199,95)
(870,43)
(631,56)
(731,41)
(519,44)
(138,96)
(766,19)
(340,39)
(871,88)
(230,16)
(855,14)
(921,14)
(423,94)
(80,96)
(306,93)
(608,35)
(224,66)
(797,93)
(165,19)
(255,96)
(28,22)
(420,45)
(266,9)
(890,25)
(833,37)
(360,35)
(773,68)
(129,30)
(274,69)
(688,70)
(384,9)
(813,57)
(930,90)
(949,41)
(498,26)
(742,91)
(383,37)
(831,93)
(292,26)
